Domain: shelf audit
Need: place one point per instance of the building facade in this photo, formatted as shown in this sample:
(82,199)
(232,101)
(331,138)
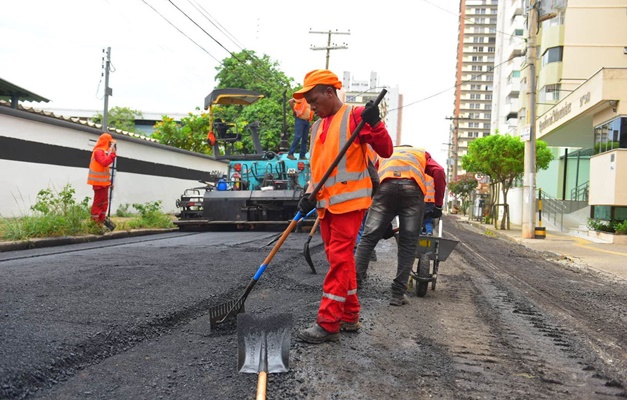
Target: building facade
(359,92)
(581,73)
(472,113)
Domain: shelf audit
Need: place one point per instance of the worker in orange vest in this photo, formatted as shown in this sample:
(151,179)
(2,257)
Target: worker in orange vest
(302,117)
(403,187)
(102,156)
(342,199)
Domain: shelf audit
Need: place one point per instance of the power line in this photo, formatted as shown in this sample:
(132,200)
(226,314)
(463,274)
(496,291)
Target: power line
(183,33)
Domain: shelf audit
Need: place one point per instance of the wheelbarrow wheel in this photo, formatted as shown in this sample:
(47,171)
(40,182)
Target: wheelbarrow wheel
(424,262)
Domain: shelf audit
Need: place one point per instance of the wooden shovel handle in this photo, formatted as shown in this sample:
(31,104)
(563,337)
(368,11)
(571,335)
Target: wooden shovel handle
(314,227)
(262,383)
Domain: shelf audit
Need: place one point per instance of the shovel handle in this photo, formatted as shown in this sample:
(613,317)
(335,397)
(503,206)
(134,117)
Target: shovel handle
(314,227)
(262,383)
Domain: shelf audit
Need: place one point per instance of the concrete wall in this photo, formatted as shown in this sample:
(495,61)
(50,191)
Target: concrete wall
(39,152)
(610,174)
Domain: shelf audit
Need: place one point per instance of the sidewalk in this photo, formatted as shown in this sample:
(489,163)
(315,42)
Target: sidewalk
(607,258)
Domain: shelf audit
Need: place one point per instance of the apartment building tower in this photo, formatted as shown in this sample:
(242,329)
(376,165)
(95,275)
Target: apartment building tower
(472,112)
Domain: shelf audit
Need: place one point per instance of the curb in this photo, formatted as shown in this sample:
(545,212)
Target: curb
(65,240)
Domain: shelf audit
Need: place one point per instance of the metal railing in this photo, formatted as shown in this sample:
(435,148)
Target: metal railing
(580,193)
(552,209)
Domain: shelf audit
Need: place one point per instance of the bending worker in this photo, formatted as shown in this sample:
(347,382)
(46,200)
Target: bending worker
(102,156)
(403,187)
(343,198)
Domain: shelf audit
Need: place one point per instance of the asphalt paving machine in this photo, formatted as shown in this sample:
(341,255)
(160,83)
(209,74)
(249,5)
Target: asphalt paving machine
(255,190)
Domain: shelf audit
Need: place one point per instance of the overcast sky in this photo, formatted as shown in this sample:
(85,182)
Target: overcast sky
(55,49)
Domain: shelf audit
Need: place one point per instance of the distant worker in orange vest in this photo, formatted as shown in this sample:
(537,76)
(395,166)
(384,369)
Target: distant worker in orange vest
(343,199)
(100,176)
(302,117)
(402,192)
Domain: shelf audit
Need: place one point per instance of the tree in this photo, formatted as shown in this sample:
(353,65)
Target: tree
(242,70)
(462,187)
(502,158)
(190,134)
(122,118)
(247,71)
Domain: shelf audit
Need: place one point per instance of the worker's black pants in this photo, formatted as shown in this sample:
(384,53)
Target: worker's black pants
(402,197)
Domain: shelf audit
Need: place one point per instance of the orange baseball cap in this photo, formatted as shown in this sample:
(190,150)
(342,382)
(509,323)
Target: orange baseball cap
(318,77)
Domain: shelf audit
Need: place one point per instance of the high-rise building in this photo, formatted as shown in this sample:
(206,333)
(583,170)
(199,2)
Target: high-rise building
(472,114)
(359,92)
(508,59)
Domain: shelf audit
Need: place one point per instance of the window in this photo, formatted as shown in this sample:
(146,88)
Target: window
(480,10)
(473,134)
(474,96)
(477,39)
(479,20)
(477,49)
(552,54)
(486,125)
(611,135)
(518,32)
(477,68)
(488,97)
(477,58)
(490,49)
(473,124)
(475,87)
(487,116)
(550,92)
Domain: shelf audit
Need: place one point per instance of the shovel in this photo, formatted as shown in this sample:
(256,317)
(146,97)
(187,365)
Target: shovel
(263,346)
(217,314)
(306,248)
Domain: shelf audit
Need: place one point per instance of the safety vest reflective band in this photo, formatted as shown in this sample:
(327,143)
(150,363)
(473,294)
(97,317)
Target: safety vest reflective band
(405,163)
(430,195)
(348,187)
(98,175)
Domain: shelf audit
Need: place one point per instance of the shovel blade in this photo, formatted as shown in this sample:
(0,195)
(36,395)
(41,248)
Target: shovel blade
(263,343)
(308,255)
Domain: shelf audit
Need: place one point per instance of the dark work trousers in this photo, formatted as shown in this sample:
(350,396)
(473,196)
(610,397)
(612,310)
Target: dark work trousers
(301,134)
(402,197)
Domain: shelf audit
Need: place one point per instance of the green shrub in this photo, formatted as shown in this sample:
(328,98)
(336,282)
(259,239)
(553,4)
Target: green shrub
(150,216)
(55,214)
(621,227)
(123,211)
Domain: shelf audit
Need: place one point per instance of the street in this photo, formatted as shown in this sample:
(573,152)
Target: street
(128,319)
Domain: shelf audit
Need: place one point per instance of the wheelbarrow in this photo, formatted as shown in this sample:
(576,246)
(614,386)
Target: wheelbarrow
(431,250)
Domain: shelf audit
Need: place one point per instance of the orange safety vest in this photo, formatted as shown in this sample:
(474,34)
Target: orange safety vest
(348,187)
(405,163)
(99,175)
(302,110)
(430,196)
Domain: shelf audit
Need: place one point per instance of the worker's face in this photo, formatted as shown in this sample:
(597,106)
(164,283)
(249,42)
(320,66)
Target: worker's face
(320,100)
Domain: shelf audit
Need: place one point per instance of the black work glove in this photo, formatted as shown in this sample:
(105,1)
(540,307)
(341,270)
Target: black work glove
(389,232)
(305,205)
(437,212)
(371,114)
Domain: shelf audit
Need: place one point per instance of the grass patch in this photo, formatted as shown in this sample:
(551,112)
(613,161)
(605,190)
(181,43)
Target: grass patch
(60,214)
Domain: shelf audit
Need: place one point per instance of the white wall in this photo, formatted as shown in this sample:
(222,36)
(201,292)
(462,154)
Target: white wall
(20,181)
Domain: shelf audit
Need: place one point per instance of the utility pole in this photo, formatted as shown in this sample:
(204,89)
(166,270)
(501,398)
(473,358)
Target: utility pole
(107,91)
(330,47)
(455,145)
(529,178)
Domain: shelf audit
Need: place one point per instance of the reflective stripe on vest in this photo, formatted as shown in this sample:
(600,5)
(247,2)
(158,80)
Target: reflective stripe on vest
(430,195)
(98,175)
(352,175)
(405,163)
